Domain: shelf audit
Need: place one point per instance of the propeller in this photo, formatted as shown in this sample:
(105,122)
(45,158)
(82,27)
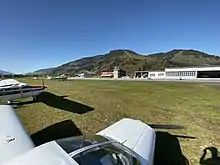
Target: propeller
(184,136)
(170,126)
(43,82)
(165,126)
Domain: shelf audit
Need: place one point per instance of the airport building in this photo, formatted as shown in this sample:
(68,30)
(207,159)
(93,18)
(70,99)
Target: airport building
(107,75)
(86,75)
(181,73)
(117,73)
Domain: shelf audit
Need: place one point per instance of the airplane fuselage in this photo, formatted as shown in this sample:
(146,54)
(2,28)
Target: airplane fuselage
(19,92)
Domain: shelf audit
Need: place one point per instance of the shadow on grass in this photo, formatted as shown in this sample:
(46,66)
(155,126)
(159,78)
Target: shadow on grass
(16,105)
(56,131)
(168,151)
(214,160)
(60,102)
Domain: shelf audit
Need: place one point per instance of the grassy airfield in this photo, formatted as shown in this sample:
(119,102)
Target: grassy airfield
(93,105)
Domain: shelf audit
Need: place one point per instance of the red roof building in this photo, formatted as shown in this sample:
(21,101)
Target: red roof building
(107,74)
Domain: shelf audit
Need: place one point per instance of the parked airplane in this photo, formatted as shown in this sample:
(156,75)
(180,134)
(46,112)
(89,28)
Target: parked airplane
(11,89)
(61,78)
(10,82)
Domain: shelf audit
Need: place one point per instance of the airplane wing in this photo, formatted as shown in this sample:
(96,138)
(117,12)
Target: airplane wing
(14,139)
(48,154)
(135,135)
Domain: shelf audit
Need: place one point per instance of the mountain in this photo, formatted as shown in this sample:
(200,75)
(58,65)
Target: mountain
(41,71)
(131,61)
(2,72)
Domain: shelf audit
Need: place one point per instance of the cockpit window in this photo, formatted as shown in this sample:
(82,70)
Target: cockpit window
(107,154)
(99,152)
(73,143)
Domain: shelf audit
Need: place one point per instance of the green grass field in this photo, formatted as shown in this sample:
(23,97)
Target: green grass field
(192,105)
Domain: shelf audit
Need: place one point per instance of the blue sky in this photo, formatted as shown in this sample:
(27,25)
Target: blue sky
(37,34)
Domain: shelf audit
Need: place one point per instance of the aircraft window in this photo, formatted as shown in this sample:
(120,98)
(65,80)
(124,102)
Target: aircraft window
(12,89)
(73,143)
(24,87)
(6,85)
(108,154)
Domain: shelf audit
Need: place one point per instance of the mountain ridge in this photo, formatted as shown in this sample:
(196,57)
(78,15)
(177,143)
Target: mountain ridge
(131,61)
(2,72)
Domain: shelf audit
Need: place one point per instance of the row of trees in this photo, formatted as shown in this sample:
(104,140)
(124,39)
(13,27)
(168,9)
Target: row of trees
(18,76)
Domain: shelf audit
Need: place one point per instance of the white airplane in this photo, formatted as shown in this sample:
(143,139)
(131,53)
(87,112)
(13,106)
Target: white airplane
(11,89)
(127,142)
(61,78)
(10,82)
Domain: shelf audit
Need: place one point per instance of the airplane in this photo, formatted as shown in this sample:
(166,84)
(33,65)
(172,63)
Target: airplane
(11,82)
(61,78)
(11,89)
(126,142)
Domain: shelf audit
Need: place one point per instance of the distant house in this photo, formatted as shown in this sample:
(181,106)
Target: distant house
(86,75)
(117,73)
(107,74)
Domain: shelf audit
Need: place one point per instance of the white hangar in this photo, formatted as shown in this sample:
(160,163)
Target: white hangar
(181,73)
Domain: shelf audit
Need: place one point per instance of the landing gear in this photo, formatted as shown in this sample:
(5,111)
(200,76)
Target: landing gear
(34,98)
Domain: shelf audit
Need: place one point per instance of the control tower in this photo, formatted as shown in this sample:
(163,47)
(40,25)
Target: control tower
(118,73)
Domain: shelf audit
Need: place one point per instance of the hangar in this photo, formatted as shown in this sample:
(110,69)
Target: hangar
(182,73)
